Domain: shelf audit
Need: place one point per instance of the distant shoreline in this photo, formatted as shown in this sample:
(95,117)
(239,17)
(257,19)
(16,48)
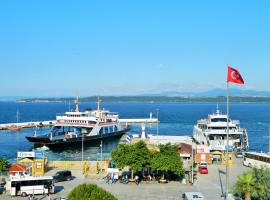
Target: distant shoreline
(152,99)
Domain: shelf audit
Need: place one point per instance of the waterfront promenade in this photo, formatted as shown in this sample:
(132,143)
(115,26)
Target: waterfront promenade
(210,185)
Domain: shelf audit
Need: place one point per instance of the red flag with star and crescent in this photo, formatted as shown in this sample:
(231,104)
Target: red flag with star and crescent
(234,76)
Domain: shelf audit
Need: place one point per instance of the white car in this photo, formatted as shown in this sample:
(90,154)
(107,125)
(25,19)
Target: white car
(202,163)
(192,196)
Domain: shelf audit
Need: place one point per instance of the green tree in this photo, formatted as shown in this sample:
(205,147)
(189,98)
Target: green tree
(262,180)
(246,185)
(3,164)
(90,192)
(167,159)
(136,155)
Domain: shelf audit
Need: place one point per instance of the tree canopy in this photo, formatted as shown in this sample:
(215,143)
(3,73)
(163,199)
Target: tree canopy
(3,164)
(134,155)
(167,159)
(138,156)
(90,192)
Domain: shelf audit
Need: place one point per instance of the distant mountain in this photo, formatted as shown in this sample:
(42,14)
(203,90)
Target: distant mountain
(214,93)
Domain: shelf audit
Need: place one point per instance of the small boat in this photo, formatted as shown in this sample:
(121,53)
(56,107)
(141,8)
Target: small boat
(15,128)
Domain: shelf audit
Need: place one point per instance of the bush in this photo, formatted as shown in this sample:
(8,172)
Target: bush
(89,192)
(3,164)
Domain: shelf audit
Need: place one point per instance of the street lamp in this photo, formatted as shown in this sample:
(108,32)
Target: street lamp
(192,161)
(157,120)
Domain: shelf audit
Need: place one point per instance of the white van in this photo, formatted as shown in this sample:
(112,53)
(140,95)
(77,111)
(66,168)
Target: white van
(193,196)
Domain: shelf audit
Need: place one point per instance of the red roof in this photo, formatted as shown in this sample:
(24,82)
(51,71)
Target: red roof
(185,148)
(16,167)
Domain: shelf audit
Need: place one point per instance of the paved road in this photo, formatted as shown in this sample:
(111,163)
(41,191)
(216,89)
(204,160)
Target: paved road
(211,185)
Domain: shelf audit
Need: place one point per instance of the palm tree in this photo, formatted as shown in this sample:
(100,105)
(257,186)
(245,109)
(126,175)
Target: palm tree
(245,185)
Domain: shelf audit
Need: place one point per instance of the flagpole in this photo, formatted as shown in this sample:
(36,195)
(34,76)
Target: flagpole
(227,145)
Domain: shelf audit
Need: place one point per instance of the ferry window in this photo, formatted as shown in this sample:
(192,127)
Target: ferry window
(219,120)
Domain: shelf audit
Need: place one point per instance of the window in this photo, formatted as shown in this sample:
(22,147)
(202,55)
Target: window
(38,165)
(219,120)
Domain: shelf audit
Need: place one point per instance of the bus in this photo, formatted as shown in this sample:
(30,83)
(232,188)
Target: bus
(31,185)
(258,160)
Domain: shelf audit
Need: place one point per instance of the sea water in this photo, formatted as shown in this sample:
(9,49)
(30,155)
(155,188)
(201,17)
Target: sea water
(175,119)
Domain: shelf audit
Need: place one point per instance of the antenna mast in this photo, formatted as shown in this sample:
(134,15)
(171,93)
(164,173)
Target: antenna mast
(77,104)
(98,108)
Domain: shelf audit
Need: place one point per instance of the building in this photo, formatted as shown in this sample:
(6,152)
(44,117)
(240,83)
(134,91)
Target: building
(17,169)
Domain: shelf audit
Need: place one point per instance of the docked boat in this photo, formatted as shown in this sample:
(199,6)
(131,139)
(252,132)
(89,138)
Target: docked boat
(71,128)
(213,132)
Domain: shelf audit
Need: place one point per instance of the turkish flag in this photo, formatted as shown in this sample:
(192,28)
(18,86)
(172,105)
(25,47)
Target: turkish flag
(234,76)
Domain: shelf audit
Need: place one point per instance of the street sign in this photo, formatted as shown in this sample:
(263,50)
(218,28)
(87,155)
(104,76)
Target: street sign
(39,154)
(30,154)
(26,154)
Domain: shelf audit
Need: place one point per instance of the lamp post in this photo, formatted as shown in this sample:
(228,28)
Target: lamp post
(82,147)
(157,121)
(101,155)
(192,161)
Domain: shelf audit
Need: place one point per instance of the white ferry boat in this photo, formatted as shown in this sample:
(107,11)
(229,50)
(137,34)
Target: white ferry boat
(213,132)
(73,127)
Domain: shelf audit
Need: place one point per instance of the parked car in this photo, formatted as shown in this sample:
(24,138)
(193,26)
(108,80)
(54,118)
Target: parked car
(203,170)
(239,154)
(62,176)
(202,163)
(2,189)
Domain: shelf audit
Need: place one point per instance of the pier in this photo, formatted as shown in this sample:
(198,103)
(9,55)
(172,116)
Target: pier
(52,122)
(139,121)
(27,124)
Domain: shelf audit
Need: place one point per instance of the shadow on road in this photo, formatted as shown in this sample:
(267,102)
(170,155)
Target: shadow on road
(58,189)
(220,180)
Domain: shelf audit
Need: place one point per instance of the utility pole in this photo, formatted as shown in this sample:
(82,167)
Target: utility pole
(101,155)
(192,161)
(157,121)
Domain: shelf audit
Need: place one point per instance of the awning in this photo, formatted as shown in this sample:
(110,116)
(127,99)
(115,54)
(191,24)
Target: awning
(216,153)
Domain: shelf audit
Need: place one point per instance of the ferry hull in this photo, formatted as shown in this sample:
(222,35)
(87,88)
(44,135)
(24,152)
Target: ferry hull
(41,141)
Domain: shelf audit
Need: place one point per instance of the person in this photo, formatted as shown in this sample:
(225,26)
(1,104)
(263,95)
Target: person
(110,179)
(30,197)
(137,179)
(149,177)
(113,178)
(48,197)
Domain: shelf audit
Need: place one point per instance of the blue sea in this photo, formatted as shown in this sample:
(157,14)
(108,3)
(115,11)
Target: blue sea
(175,119)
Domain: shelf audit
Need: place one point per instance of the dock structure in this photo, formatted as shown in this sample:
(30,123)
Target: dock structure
(52,122)
(139,121)
(164,139)
(27,124)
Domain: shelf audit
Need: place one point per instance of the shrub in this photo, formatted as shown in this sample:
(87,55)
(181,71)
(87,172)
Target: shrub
(89,192)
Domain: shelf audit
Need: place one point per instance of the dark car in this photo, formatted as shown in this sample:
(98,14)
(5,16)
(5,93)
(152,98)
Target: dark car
(62,176)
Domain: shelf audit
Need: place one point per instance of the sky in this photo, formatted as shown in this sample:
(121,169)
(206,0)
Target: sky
(85,48)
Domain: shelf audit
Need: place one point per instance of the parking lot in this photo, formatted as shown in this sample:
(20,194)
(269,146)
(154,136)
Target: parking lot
(211,185)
